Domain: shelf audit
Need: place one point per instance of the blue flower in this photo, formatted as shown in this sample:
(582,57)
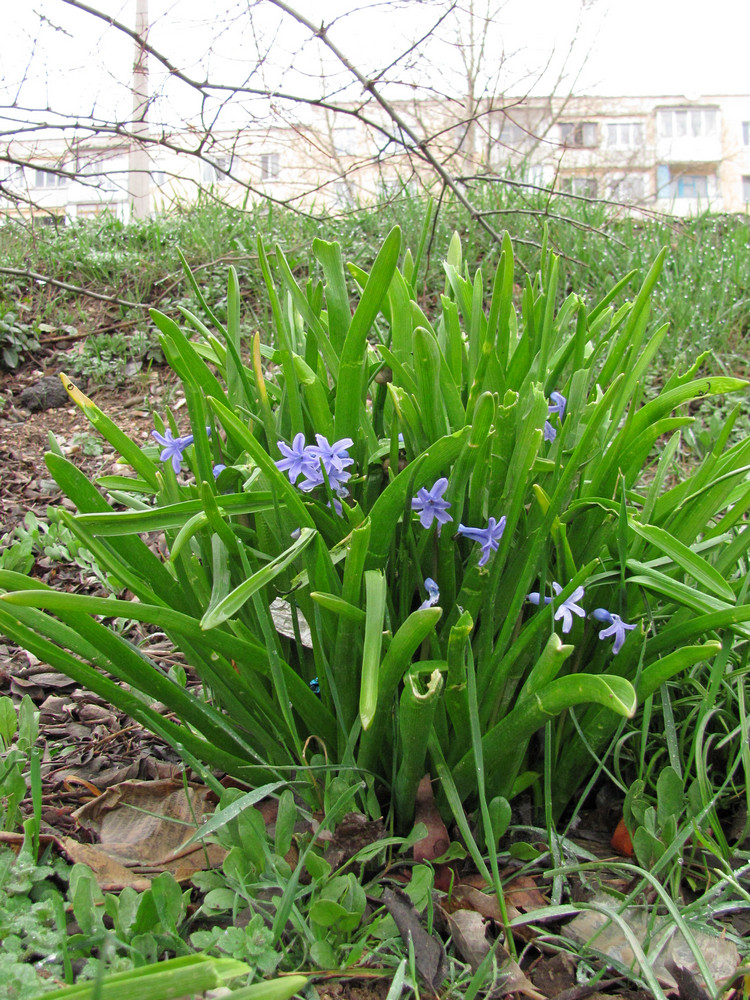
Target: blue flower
(296,461)
(172,447)
(558,405)
(567,609)
(430,506)
(315,685)
(218,469)
(488,538)
(617,627)
(433,594)
(334,456)
(305,460)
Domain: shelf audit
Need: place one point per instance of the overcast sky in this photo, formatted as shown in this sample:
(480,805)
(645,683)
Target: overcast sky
(76,63)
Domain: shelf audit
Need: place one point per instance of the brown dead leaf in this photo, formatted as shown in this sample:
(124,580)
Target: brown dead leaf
(437,841)
(523,892)
(143,824)
(466,897)
(110,874)
(429,954)
(468,929)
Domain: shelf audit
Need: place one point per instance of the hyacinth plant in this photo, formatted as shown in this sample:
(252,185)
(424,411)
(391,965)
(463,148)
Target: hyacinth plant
(399,542)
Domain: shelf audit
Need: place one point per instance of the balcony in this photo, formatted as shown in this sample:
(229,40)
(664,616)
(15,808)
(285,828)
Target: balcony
(689,149)
(689,134)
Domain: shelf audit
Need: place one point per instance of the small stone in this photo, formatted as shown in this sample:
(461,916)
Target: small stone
(46,394)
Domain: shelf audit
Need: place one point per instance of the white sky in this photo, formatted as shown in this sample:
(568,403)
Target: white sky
(75,63)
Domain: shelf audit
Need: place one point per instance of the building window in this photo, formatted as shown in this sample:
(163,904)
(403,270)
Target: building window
(693,186)
(585,187)
(746,189)
(677,123)
(102,174)
(511,134)
(578,134)
(270,166)
(159,177)
(746,133)
(13,174)
(626,187)
(44,178)
(624,135)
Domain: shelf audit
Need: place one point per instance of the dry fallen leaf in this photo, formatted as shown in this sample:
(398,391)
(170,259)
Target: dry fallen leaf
(143,824)
(429,954)
(669,946)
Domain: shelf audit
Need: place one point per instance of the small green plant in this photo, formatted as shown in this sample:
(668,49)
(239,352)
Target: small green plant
(277,898)
(18,734)
(17,339)
(663,827)
(32,922)
(20,548)
(114,357)
(128,930)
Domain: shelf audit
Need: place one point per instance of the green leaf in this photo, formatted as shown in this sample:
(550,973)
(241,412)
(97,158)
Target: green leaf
(339,606)
(375,591)
(350,384)
(119,441)
(501,743)
(240,595)
(701,571)
(174,977)
(670,796)
(223,816)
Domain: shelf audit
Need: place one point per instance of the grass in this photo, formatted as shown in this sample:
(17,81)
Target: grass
(691,849)
(704,291)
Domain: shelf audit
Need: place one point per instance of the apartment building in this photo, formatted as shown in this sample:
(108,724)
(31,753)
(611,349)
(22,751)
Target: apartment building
(675,154)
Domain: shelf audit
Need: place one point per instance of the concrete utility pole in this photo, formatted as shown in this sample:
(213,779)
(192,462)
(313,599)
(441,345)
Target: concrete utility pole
(139,179)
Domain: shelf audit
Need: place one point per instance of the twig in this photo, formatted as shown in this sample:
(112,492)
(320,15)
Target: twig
(18,273)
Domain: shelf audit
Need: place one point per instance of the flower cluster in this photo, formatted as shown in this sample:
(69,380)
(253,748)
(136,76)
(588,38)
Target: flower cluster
(310,461)
(557,405)
(173,447)
(569,607)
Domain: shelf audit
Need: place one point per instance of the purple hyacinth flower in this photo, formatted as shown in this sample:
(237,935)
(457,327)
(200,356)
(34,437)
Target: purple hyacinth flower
(430,506)
(297,460)
(535,598)
(568,608)
(558,404)
(617,627)
(172,447)
(433,594)
(488,538)
(218,469)
(334,456)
